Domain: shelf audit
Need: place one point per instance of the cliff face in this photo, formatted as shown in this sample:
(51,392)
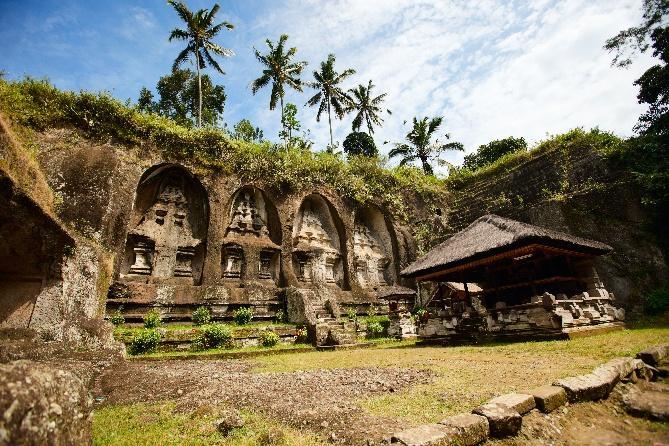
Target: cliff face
(574,189)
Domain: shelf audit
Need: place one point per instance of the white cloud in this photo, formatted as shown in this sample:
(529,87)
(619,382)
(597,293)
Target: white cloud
(494,69)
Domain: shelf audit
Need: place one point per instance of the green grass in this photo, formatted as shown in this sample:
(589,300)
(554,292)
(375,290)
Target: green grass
(223,351)
(162,424)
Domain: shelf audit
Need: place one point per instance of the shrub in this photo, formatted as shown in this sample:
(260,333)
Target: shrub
(201,316)
(658,301)
(302,336)
(268,338)
(280,317)
(117,319)
(374,330)
(352,314)
(243,315)
(152,319)
(213,336)
(144,341)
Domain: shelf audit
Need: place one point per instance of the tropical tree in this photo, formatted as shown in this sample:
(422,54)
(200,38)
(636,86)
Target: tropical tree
(489,153)
(180,93)
(280,70)
(420,145)
(366,107)
(198,34)
(245,131)
(360,143)
(330,93)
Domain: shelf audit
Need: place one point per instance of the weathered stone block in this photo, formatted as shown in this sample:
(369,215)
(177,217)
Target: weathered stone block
(471,429)
(647,404)
(520,402)
(549,398)
(584,387)
(426,435)
(503,420)
(653,355)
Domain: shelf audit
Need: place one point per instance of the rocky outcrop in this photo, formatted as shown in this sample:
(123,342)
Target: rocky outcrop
(43,405)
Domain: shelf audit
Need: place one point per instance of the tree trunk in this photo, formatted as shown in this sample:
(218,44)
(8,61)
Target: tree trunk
(330,122)
(426,166)
(199,87)
(283,125)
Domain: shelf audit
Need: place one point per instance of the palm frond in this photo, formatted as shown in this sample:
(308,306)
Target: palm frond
(261,82)
(178,33)
(182,57)
(182,10)
(211,60)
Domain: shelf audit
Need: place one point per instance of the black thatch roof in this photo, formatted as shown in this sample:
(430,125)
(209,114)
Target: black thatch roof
(492,234)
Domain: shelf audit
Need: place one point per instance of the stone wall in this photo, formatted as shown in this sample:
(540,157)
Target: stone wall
(574,190)
(185,236)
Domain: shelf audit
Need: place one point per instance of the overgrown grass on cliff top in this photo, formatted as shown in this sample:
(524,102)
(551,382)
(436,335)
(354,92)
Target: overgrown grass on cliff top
(573,141)
(38,105)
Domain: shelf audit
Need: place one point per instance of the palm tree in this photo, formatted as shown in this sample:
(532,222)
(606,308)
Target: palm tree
(280,70)
(367,108)
(330,94)
(420,146)
(199,33)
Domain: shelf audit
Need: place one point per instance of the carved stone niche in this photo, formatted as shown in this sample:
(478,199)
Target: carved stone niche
(372,250)
(255,232)
(233,261)
(317,257)
(168,227)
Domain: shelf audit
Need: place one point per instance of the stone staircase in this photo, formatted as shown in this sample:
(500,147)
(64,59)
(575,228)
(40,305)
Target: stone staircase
(330,331)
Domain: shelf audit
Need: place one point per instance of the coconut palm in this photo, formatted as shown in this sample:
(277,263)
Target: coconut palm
(366,107)
(420,145)
(198,34)
(280,70)
(330,94)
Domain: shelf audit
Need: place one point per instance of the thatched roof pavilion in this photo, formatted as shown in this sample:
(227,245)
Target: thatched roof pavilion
(511,259)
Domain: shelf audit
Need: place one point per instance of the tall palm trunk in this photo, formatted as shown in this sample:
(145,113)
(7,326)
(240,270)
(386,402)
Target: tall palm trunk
(330,122)
(283,124)
(427,169)
(199,87)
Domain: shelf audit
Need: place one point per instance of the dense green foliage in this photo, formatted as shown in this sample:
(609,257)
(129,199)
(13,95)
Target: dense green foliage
(152,319)
(489,153)
(360,144)
(377,326)
(243,315)
(213,336)
(657,302)
(201,316)
(419,145)
(38,105)
(179,96)
(117,319)
(268,338)
(144,341)
(245,131)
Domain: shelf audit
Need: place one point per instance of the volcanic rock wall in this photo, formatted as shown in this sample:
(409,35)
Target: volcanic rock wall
(575,190)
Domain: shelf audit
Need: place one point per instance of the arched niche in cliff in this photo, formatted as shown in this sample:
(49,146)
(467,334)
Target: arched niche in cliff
(168,227)
(252,240)
(319,253)
(374,249)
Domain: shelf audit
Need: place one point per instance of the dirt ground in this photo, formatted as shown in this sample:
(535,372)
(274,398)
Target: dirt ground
(326,401)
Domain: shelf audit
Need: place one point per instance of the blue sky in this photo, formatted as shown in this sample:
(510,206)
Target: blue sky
(492,68)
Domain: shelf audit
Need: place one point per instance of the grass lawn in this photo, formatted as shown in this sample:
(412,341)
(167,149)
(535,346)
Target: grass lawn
(162,424)
(464,377)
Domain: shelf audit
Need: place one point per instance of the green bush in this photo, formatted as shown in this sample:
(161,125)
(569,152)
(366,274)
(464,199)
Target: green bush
(374,330)
(213,336)
(302,336)
(201,316)
(657,302)
(243,315)
(117,318)
(352,314)
(152,319)
(144,341)
(377,326)
(280,317)
(269,338)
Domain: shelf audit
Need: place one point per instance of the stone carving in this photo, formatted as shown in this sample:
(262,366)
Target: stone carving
(245,218)
(233,261)
(370,259)
(317,256)
(163,242)
(265,270)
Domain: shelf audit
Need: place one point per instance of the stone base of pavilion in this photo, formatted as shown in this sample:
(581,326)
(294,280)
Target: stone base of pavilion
(544,318)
